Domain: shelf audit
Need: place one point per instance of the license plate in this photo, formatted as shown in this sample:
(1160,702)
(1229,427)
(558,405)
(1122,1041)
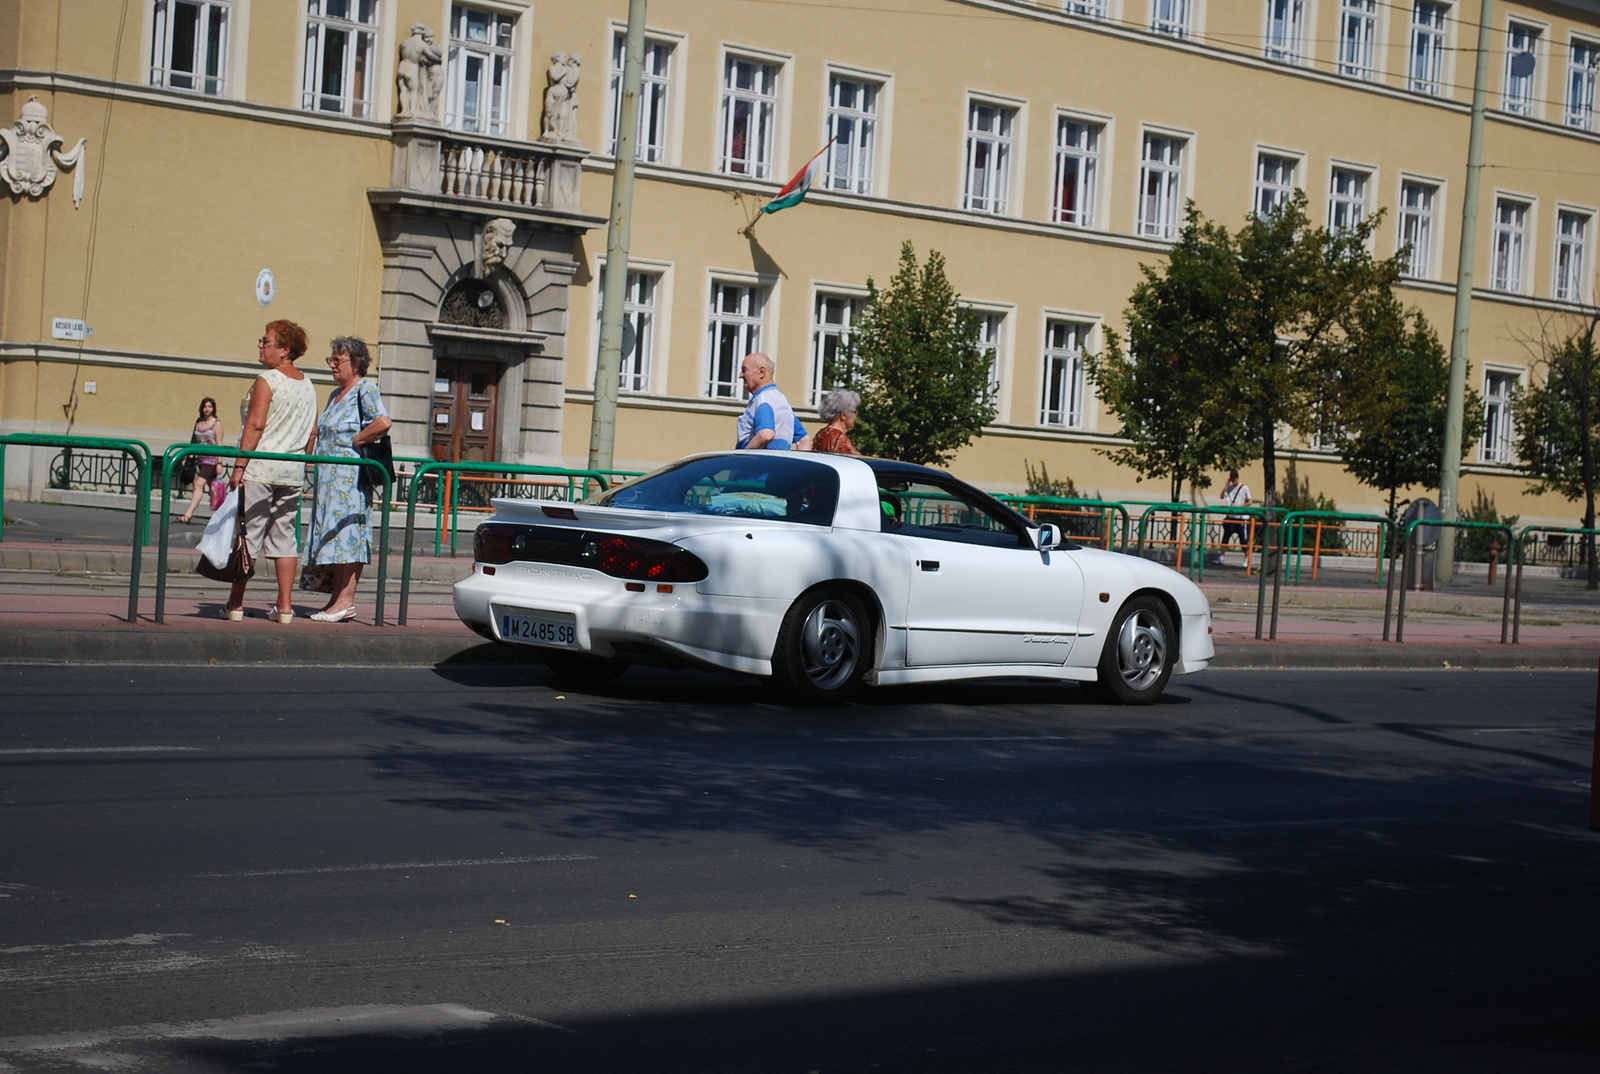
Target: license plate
(543,628)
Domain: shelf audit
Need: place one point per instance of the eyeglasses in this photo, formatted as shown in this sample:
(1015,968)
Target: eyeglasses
(335,359)
(268,341)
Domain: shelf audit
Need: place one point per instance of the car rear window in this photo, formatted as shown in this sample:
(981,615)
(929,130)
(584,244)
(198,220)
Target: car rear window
(763,484)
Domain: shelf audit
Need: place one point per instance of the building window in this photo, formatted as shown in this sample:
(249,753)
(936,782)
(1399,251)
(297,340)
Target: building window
(988,172)
(1160,179)
(651,146)
(1285,19)
(1347,199)
(1416,227)
(339,56)
(1572,231)
(1426,65)
(1065,385)
(831,321)
(1358,31)
(1521,45)
(1497,427)
(638,310)
(1170,17)
(1077,172)
(1510,231)
(749,112)
(1274,183)
(989,328)
(1585,57)
(735,332)
(1094,9)
(852,131)
(480,70)
(189,46)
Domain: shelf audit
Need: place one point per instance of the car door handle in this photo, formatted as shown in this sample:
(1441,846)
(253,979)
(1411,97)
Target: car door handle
(929,564)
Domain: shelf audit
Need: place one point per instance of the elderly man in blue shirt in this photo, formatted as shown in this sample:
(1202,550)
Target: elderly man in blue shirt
(768,422)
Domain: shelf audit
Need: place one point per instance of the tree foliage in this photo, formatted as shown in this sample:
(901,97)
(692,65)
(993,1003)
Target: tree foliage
(924,382)
(1238,334)
(1390,399)
(1558,425)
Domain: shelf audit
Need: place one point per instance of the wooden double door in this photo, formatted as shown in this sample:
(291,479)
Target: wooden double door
(466,394)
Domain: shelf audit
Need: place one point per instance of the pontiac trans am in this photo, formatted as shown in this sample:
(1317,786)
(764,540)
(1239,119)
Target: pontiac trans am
(826,572)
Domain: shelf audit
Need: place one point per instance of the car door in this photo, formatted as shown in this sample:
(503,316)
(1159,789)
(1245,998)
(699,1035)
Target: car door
(979,592)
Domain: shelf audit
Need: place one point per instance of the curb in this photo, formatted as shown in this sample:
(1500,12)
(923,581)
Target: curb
(156,646)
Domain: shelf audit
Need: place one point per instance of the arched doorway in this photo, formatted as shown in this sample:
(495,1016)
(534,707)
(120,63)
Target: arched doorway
(466,389)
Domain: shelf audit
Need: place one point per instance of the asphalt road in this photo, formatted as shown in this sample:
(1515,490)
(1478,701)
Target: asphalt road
(347,869)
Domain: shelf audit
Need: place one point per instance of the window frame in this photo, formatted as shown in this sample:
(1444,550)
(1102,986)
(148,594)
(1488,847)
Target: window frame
(376,101)
(1100,188)
(1291,49)
(882,117)
(776,170)
(766,320)
(1089,326)
(158,35)
(1585,269)
(1586,74)
(1013,143)
(1173,18)
(1183,170)
(661,321)
(1368,175)
(455,70)
(856,295)
(1530,106)
(1368,14)
(1001,364)
(1296,161)
(1524,236)
(1431,253)
(672,116)
(1502,450)
(1438,79)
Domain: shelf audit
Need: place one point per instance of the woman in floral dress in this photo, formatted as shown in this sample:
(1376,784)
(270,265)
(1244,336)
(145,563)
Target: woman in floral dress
(340,534)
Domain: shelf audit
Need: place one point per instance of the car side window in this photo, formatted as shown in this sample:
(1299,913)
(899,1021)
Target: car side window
(916,508)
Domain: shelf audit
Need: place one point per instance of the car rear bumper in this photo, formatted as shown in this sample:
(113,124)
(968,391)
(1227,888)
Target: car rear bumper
(735,633)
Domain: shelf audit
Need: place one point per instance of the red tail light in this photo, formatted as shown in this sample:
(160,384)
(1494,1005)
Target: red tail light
(636,557)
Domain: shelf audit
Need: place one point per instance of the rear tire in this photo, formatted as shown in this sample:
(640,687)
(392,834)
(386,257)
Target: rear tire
(1139,652)
(824,647)
(581,669)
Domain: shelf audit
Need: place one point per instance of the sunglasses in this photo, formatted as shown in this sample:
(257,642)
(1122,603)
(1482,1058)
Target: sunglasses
(268,341)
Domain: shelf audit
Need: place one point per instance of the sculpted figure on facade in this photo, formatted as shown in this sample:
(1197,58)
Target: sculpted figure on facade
(33,154)
(417,75)
(561,99)
(498,234)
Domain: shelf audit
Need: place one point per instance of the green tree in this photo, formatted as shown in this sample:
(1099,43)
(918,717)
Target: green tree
(1389,399)
(1259,321)
(923,380)
(1558,426)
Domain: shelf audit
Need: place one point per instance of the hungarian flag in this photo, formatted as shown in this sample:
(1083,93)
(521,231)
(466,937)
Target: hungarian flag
(798,187)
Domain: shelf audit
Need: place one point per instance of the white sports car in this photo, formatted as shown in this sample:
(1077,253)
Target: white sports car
(825,571)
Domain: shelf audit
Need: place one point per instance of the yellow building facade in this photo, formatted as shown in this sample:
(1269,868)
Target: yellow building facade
(435,178)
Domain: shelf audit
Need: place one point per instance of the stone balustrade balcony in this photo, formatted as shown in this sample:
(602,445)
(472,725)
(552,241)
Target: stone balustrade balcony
(498,175)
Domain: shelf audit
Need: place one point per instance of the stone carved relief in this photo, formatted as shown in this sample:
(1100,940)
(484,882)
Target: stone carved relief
(498,235)
(561,99)
(33,154)
(418,75)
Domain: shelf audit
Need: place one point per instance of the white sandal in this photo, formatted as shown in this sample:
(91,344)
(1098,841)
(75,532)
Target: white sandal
(283,617)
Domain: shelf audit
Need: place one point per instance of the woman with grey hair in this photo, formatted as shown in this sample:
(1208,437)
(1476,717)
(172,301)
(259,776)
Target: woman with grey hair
(340,536)
(838,409)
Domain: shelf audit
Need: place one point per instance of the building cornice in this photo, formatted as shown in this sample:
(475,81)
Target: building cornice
(159,97)
(457,207)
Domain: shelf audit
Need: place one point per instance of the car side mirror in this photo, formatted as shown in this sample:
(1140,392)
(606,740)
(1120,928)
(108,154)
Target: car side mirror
(1048,537)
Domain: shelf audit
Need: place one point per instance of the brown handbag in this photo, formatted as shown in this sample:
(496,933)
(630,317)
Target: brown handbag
(240,566)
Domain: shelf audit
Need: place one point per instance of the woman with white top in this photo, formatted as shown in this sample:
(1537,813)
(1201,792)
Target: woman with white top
(278,415)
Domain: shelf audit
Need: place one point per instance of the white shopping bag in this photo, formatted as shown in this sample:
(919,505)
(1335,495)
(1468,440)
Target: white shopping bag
(216,544)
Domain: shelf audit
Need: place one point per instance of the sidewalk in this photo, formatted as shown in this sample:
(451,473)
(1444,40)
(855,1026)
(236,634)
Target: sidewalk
(61,603)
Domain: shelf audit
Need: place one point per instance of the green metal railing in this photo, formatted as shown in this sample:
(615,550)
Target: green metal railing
(1295,521)
(174,456)
(1197,532)
(140,453)
(1406,548)
(1518,556)
(469,468)
(1029,505)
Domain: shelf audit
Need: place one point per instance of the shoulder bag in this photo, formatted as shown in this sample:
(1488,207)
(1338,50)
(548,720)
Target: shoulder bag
(240,565)
(380,450)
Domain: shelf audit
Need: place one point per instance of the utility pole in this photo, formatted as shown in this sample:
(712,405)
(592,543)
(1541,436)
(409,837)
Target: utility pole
(1450,470)
(608,369)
